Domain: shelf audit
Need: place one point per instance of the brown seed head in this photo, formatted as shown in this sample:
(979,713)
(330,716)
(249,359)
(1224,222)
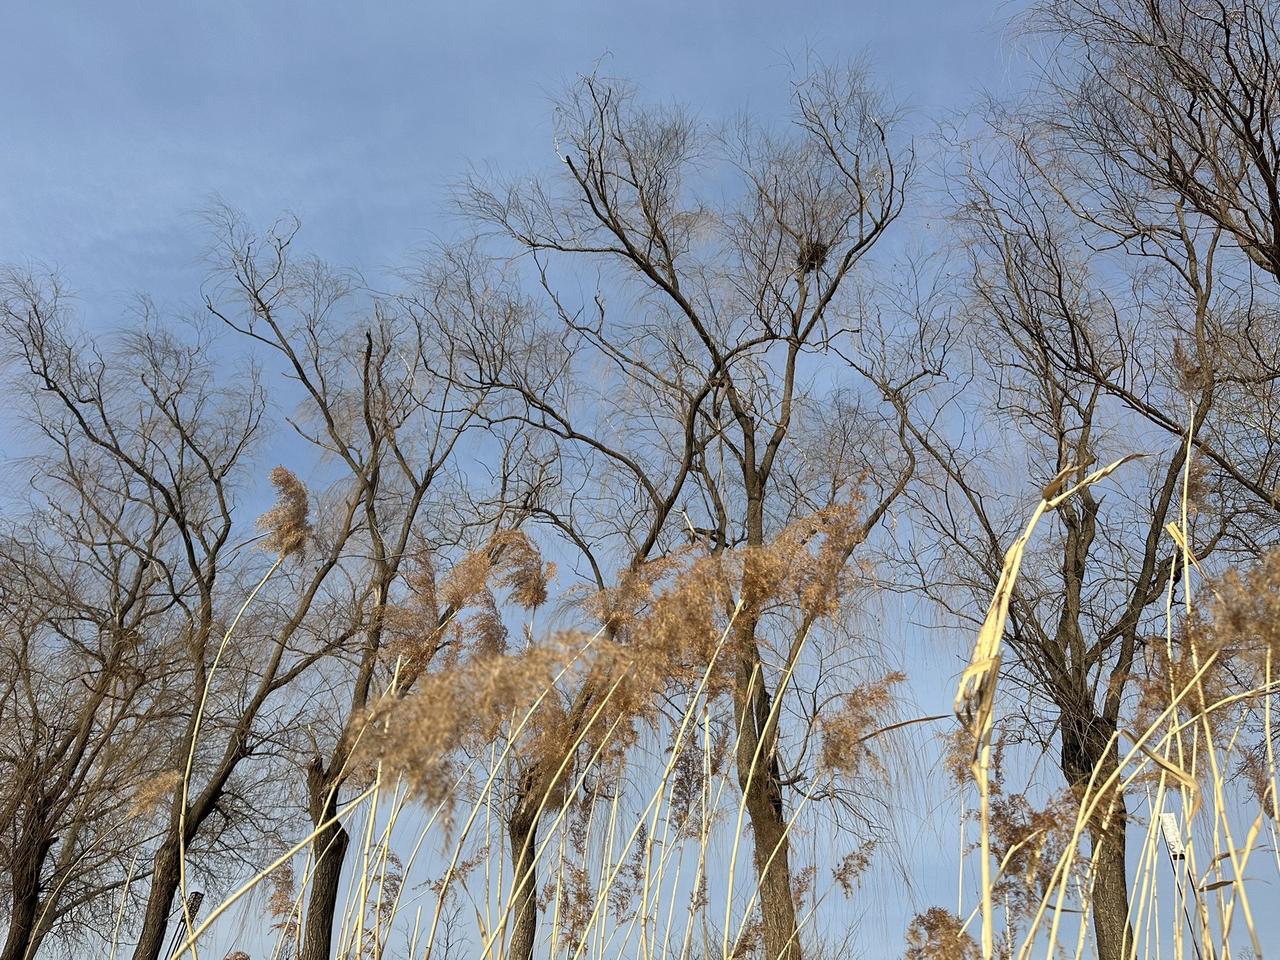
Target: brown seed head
(286,525)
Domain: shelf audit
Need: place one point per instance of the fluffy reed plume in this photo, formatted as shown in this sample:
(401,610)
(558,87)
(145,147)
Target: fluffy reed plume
(1246,614)
(807,564)
(1244,629)
(662,630)
(958,749)
(415,628)
(848,872)
(687,594)
(155,791)
(458,614)
(577,905)
(938,934)
(667,623)
(466,579)
(423,610)
(468,699)
(1029,841)
(508,560)
(282,904)
(286,524)
(520,568)
(389,883)
(694,769)
(665,620)
(862,711)
(469,704)
(484,630)
(619,607)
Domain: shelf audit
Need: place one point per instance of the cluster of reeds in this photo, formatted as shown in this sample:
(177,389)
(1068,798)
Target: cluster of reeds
(1197,770)
(640,854)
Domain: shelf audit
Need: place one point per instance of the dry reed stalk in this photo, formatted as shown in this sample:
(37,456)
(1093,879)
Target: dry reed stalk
(287,529)
(668,770)
(517,730)
(1179,751)
(975,699)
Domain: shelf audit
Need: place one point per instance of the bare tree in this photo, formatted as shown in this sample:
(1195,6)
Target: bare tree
(1092,350)
(732,304)
(1181,94)
(386,394)
(153,414)
(83,711)
(164,439)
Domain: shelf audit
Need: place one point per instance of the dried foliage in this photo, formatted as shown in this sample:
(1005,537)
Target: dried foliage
(1245,617)
(938,934)
(1030,841)
(848,872)
(156,791)
(282,906)
(862,712)
(287,524)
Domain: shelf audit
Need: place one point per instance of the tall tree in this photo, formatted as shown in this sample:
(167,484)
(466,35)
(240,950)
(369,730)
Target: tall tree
(386,392)
(161,439)
(1092,350)
(164,440)
(84,708)
(717,314)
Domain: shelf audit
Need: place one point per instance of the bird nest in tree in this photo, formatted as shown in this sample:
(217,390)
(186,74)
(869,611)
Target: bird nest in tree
(812,255)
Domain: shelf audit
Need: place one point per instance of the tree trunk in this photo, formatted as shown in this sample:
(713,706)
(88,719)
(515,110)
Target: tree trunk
(330,849)
(29,858)
(331,852)
(1111,892)
(772,856)
(761,784)
(155,922)
(523,831)
(1084,748)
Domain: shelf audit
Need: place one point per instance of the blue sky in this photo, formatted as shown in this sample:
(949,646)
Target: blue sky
(121,120)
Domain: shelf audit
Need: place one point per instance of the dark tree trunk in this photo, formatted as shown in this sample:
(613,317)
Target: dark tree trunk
(1111,892)
(29,858)
(757,756)
(155,921)
(759,779)
(772,856)
(330,849)
(1084,749)
(317,932)
(523,832)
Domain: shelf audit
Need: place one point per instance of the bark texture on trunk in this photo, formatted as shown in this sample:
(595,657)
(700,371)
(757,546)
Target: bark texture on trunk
(1084,749)
(523,833)
(1110,895)
(772,856)
(155,921)
(317,931)
(761,784)
(24,910)
(330,852)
